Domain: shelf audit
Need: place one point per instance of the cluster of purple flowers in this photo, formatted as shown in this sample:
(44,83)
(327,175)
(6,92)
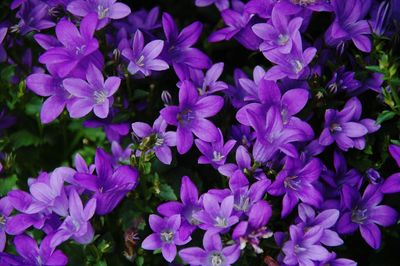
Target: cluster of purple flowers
(277,151)
(55,205)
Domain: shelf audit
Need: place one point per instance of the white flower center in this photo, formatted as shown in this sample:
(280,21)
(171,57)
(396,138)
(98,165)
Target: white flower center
(100,96)
(167,236)
(297,66)
(102,11)
(216,259)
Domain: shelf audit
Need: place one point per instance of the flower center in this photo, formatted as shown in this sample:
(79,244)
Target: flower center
(79,50)
(102,11)
(185,116)
(167,236)
(298,249)
(303,2)
(216,259)
(221,222)
(335,127)
(140,61)
(243,204)
(159,140)
(292,182)
(359,215)
(282,39)
(217,156)
(297,66)
(100,96)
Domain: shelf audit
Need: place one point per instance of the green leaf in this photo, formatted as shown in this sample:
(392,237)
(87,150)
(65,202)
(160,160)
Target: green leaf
(7,73)
(24,138)
(7,184)
(140,261)
(384,116)
(374,69)
(167,193)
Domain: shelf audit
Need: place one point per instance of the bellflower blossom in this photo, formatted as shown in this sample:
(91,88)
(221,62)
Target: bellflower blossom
(297,181)
(212,254)
(105,10)
(365,214)
(31,254)
(190,116)
(190,205)
(345,128)
(220,4)
(109,187)
(166,236)
(208,83)
(77,47)
(33,17)
(5,211)
(160,139)
(216,217)
(77,224)
(303,247)
(343,81)
(142,58)
(94,94)
(280,33)
(178,50)
(216,152)
(348,25)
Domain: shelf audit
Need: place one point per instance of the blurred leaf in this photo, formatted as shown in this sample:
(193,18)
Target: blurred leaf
(24,138)
(167,193)
(7,184)
(384,116)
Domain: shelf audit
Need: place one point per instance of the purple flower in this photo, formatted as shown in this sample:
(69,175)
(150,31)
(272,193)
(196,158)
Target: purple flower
(348,25)
(190,116)
(245,196)
(292,65)
(212,254)
(239,27)
(208,83)
(273,135)
(3,53)
(220,4)
(141,20)
(33,17)
(190,205)
(216,152)
(303,247)
(50,86)
(296,6)
(5,211)
(395,152)
(77,47)
(160,140)
(143,58)
(216,217)
(109,187)
(166,236)
(343,81)
(178,50)
(77,224)
(105,10)
(252,231)
(94,94)
(365,213)
(344,127)
(279,34)
(120,154)
(332,260)
(48,193)
(297,182)
(31,254)
(325,219)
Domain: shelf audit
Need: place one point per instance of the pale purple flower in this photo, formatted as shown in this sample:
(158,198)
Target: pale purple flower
(77,224)
(303,248)
(78,48)
(33,17)
(216,217)
(190,205)
(190,116)
(114,131)
(31,254)
(143,58)
(343,81)
(120,154)
(94,94)
(216,152)
(280,33)
(160,139)
(220,4)
(166,236)
(5,211)
(212,254)
(208,83)
(105,10)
